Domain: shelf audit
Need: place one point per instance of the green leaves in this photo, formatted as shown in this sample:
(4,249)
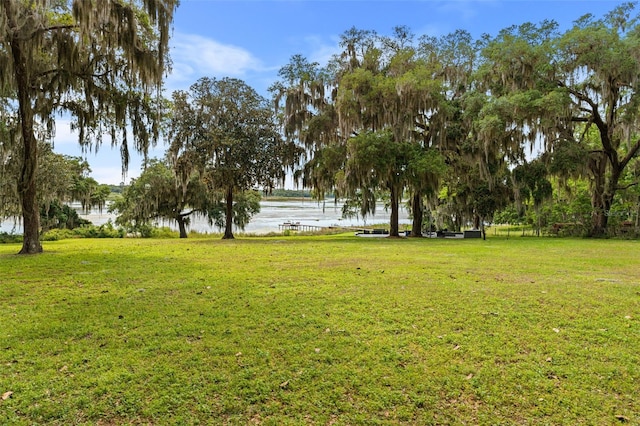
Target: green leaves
(532,181)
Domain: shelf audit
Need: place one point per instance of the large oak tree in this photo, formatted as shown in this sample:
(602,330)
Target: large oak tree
(227,132)
(578,88)
(98,60)
(364,120)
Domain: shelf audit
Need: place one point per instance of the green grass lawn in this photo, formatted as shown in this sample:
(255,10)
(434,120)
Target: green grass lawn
(321,330)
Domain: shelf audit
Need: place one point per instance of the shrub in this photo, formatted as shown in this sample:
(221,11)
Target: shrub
(58,234)
(7,238)
(106,230)
(164,232)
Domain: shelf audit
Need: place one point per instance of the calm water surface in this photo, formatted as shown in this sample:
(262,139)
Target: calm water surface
(272,214)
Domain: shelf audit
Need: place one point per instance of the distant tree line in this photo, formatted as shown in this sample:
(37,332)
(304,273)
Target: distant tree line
(290,193)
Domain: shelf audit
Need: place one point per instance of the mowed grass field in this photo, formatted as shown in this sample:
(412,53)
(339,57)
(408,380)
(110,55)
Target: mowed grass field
(326,330)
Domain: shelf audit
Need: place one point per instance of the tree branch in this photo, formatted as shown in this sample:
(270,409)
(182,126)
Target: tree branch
(597,120)
(580,96)
(43,30)
(580,119)
(622,188)
(56,28)
(632,153)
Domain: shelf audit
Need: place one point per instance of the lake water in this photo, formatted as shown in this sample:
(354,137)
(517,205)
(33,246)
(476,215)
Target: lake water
(272,214)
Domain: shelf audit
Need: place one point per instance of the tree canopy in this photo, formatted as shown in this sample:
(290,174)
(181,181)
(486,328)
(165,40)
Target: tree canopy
(532,99)
(382,98)
(576,90)
(459,126)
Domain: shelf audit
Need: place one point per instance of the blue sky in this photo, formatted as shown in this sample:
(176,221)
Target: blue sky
(251,40)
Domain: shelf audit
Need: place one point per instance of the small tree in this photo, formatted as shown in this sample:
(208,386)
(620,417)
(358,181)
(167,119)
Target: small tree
(245,205)
(60,216)
(158,194)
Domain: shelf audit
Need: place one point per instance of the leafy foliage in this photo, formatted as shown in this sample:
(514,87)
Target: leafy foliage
(60,180)
(245,205)
(58,216)
(383,95)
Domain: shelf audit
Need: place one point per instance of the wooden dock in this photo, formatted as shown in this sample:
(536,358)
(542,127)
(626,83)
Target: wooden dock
(297,226)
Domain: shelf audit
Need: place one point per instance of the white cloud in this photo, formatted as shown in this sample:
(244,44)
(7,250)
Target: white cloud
(195,56)
(432,30)
(106,164)
(465,10)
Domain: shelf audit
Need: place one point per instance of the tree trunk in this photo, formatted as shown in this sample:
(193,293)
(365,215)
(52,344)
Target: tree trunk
(394,230)
(476,221)
(602,194)
(30,212)
(182,227)
(27,180)
(228,229)
(417,210)
(601,205)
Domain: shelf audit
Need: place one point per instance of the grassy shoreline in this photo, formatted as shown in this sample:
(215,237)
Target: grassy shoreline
(321,330)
